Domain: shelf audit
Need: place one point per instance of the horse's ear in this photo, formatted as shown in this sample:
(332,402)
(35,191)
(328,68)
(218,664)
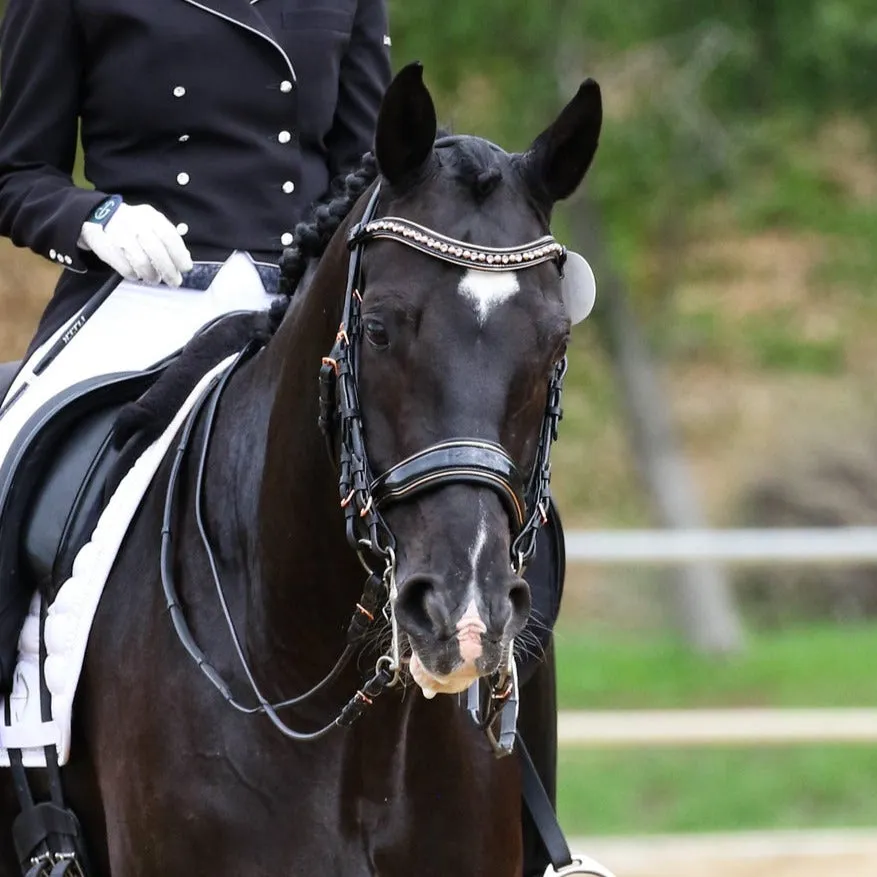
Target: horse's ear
(559,157)
(406,126)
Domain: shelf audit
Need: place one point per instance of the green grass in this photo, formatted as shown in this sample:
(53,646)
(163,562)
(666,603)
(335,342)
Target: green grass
(828,665)
(647,790)
(603,792)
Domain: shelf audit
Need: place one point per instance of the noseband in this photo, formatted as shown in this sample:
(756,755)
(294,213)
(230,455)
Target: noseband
(455,461)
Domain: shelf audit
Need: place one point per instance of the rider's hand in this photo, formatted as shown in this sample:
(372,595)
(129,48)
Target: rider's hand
(140,243)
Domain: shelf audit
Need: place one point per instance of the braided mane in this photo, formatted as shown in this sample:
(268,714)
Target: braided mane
(310,239)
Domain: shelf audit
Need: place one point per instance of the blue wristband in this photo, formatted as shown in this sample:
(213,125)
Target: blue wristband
(104,211)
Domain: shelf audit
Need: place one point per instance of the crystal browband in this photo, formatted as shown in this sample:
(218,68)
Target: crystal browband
(544,249)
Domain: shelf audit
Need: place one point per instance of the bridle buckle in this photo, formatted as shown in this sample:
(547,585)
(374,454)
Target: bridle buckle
(502,709)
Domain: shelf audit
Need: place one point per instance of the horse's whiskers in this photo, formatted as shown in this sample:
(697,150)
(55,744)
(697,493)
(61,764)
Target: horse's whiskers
(527,645)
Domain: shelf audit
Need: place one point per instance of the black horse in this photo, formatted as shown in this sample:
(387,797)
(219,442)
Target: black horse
(169,780)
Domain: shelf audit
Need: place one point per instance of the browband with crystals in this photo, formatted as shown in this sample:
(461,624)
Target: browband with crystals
(544,249)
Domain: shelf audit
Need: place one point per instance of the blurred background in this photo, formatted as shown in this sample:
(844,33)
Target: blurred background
(726,381)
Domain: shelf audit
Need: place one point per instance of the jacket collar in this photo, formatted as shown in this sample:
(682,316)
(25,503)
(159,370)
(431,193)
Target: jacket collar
(243,14)
(240,12)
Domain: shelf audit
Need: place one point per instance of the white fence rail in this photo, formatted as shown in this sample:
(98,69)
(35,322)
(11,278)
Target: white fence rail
(830,546)
(714,727)
(749,727)
(805,854)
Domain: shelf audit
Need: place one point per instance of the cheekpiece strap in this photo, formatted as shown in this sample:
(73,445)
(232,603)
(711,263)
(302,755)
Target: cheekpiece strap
(544,249)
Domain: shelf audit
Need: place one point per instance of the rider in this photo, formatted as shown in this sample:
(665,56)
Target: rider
(208,129)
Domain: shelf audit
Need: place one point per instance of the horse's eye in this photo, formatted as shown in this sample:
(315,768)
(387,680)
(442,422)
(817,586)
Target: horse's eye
(376,333)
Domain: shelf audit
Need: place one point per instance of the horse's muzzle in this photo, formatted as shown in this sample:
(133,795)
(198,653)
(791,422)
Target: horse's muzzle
(452,647)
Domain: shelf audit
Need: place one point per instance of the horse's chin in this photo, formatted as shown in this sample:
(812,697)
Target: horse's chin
(432,684)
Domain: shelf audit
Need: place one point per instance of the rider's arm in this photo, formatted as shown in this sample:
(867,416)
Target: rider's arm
(365,75)
(40,85)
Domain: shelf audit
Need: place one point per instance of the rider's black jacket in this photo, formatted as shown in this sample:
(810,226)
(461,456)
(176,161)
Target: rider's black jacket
(228,116)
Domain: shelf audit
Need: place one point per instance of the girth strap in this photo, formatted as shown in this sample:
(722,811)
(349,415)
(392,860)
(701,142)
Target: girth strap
(461,461)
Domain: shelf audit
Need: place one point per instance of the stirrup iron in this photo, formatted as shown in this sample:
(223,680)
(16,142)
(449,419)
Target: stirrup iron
(581,865)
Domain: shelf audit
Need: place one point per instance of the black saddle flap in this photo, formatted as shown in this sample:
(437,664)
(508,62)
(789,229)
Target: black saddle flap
(69,500)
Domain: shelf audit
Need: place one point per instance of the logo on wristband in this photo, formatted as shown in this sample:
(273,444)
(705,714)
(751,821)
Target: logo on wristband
(104,211)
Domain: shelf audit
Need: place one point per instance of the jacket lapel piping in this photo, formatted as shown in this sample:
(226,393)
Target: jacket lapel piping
(248,27)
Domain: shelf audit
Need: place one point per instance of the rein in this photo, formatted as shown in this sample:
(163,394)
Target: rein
(366,609)
(460,460)
(463,460)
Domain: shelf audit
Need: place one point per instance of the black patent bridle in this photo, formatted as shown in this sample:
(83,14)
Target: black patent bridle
(455,460)
(470,461)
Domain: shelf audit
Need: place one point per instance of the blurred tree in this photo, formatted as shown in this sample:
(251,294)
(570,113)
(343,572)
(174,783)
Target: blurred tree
(704,600)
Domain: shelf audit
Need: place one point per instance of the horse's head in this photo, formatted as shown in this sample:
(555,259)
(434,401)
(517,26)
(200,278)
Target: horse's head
(461,352)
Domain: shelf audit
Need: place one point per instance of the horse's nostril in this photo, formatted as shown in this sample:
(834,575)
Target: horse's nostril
(417,604)
(509,609)
(519,597)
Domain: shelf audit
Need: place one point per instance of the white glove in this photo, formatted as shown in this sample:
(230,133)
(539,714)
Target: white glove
(140,243)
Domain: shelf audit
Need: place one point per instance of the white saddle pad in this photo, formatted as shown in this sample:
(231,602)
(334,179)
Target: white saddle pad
(69,618)
(136,327)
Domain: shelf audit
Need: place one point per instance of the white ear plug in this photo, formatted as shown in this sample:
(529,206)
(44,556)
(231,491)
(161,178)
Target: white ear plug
(578,286)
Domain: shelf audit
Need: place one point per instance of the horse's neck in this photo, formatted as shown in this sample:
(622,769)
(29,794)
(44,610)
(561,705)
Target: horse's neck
(303,578)
(302,525)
